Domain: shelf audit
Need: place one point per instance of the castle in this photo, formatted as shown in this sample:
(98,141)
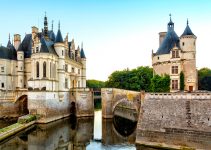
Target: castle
(175,55)
(42,61)
(44,68)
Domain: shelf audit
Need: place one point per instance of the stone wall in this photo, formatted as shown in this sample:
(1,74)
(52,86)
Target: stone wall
(111,96)
(49,106)
(162,112)
(84,102)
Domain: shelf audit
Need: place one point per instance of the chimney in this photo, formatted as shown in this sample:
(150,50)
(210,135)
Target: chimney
(161,37)
(17,40)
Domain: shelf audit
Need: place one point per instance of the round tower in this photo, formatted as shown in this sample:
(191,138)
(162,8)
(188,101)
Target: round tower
(60,50)
(20,59)
(188,47)
(83,73)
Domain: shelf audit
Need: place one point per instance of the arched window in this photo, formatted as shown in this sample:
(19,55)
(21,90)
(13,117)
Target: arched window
(38,69)
(44,69)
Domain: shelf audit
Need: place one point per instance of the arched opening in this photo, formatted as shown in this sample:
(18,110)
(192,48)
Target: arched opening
(125,117)
(37,69)
(44,69)
(23,105)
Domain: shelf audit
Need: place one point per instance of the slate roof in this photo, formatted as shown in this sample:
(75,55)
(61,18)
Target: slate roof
(26,46)
(8,53)
(47,46)
(59,37)
(52,35)
(169,40)
(187,31)
(82,53)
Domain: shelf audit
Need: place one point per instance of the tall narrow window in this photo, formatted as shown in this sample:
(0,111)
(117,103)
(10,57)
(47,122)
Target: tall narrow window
(38,69)
(44,69)
(174,69)
(50,70)
(173,54)
(177,54)
(66,83)
(175,84)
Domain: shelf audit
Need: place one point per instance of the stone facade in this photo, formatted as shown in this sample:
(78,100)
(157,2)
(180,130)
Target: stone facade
(47,68)
(175,55)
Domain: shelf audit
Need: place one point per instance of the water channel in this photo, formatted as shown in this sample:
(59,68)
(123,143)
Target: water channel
(90,133)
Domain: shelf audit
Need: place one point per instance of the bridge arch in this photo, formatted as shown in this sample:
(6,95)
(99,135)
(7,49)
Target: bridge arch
(125,100)
(22,103)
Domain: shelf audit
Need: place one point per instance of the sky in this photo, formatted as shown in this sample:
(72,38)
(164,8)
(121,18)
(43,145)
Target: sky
(116,34)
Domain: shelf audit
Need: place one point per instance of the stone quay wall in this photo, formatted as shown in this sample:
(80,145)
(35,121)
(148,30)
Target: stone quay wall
(51,106)
(162,112)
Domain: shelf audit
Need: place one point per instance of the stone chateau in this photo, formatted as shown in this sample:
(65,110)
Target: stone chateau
(177,54)
(41,73)
(42,61)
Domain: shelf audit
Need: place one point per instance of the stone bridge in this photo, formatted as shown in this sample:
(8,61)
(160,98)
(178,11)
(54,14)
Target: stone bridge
(13,103)
(123,103)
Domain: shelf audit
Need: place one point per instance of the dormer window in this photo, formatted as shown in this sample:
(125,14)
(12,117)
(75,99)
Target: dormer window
(175,54)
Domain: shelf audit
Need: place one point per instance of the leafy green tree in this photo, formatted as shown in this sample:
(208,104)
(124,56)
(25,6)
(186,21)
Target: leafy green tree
(95,84)
(204,79)
(135,79)
(160,83)
(182,81)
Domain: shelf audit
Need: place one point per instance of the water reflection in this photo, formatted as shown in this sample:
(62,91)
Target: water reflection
(62,134)
(124,126)
(74,134)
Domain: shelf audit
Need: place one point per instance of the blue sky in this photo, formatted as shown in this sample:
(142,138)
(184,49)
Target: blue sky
(117,34)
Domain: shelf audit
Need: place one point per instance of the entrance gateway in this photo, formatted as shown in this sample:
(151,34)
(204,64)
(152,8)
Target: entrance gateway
(190,88)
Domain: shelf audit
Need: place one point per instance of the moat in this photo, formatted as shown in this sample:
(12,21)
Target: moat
(75,133)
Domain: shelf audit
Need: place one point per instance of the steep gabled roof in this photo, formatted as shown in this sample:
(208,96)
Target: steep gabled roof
(187,30)
(26,46)
(59,37)
(47,46)
(82,53)
(170,40)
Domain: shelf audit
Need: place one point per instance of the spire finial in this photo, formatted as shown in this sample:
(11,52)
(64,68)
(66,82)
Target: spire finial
(170,16)
(82,45)
(187,21)
(59,25)
(45,25)
(52,25)
(9,36)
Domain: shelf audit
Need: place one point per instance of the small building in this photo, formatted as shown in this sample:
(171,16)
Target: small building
(175,55)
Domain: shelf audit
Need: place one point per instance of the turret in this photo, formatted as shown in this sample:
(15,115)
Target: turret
(17,40)
(20,59)
(188,39)
(188,47)
(60,50)
(83,61)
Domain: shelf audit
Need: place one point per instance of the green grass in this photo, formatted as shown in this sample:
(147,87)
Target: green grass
(10,127)
(27,119)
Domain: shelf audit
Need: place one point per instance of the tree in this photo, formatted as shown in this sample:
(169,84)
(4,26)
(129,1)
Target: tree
(95,84)
(182,81)
(204,77)
(135,79)
(160,83)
